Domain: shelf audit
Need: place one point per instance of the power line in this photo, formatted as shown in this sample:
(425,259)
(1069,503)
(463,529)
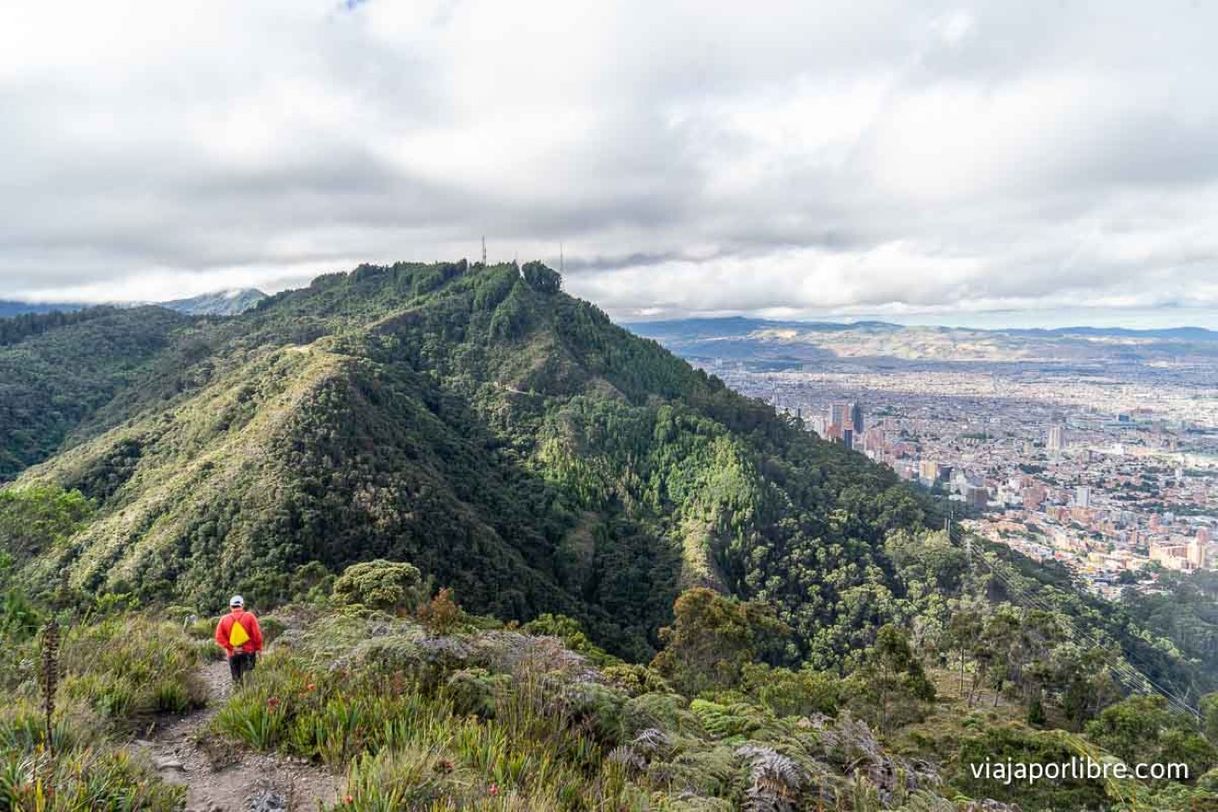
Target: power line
(1073,633)
(1135,678)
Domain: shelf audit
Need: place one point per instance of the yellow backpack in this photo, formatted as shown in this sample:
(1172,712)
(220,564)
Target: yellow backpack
(237,635)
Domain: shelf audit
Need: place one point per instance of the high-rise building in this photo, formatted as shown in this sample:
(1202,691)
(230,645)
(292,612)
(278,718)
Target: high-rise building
(1196,554)
(856,418)
(1057,437)
(839,413)
(1082,496)
(848,438)
(928,471)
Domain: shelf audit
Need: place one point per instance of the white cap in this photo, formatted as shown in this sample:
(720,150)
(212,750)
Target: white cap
(236,600)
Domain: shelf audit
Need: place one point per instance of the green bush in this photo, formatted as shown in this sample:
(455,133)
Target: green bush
(793,693)
(667,711)
(389,586)
(477,691)
(634,679)
(596,710)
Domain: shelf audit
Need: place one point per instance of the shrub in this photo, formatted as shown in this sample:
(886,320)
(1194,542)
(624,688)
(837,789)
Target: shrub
(635,680)
(660,710)
(390,586)
(596,710)
(793,693)
(441,615)
(571,633)
(477,691)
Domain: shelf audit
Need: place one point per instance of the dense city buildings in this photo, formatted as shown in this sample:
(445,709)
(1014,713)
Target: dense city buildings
(1110,471)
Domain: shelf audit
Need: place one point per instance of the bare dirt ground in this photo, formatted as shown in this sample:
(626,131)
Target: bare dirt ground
(220,776)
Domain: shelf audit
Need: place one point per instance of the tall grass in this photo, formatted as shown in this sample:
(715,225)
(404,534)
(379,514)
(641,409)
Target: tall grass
(407,747)
(115,676)
(130,668)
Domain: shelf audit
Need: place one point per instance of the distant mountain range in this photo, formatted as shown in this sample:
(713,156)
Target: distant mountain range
(221,303)
(739,338)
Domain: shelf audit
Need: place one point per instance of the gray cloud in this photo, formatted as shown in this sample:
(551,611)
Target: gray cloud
(794,158)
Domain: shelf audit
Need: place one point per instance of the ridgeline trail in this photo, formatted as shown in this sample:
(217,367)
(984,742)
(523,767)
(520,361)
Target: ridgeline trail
(222,776)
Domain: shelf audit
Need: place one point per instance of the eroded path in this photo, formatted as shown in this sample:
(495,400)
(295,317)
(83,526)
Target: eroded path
(221,776)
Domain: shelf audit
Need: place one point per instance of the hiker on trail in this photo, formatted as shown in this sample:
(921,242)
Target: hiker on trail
(238,634)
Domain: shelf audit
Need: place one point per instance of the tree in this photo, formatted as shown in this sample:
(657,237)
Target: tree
(1209,717)
(891,686)
(1084,682)
(390,586)
(1000,640)
(963,633)
(1145,729)
(35,517)
(711,640)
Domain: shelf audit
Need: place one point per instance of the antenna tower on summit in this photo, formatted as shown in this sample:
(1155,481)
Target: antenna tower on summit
(483,250)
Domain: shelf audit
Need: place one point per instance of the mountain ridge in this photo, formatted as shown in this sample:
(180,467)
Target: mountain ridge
(570,465)
(759,340)
(225,302)
(645,326)
(387,442)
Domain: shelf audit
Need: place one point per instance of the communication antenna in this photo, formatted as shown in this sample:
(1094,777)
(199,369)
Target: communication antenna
(561,264)
(483,250)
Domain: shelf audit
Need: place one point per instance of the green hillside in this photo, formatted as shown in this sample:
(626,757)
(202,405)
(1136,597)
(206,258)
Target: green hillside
(57,369)
(507,439)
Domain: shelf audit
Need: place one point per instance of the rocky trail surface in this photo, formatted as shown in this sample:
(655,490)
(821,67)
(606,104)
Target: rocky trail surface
(221,776)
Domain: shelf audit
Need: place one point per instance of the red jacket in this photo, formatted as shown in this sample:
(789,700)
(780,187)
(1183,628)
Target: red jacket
(224,631)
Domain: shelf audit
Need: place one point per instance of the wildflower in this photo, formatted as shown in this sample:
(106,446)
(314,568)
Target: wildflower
(273,702)
(311,686)
(444,765)
(493,790)
(348,800)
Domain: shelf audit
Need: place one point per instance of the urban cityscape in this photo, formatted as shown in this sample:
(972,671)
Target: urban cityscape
(1111,472)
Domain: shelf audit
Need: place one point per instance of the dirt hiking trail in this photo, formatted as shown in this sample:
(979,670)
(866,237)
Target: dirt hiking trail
(223,777)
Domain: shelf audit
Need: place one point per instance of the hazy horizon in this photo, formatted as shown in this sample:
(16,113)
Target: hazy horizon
(1146,319)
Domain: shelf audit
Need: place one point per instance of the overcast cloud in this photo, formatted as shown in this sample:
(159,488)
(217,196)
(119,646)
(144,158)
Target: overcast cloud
(780,159)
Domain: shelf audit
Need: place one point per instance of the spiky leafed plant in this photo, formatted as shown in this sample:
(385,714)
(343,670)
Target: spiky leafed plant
(48,678)
(777,780)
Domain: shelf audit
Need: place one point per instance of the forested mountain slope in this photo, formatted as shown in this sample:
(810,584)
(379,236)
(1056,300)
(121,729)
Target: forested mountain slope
(508,439)
(57,368)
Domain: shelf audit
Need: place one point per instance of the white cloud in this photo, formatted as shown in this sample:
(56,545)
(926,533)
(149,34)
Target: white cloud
(780,157)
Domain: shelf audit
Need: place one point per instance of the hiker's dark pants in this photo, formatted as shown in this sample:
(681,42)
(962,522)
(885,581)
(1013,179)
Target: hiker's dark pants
(241,664)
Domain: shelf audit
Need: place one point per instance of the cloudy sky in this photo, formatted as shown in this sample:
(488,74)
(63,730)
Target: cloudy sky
(1018,162)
